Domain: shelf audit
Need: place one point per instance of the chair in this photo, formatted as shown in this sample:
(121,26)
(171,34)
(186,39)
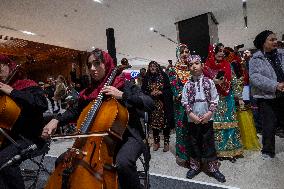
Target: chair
(145,160)
(37,159)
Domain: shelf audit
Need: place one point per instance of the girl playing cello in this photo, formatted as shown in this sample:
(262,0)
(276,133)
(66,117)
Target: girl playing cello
(100,66)
(30,98)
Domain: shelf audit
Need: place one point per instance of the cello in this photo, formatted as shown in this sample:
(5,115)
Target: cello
(89,163)
(9,110)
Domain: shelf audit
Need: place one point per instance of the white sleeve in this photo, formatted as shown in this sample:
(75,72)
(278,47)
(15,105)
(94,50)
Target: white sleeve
(214,97)
(185,98)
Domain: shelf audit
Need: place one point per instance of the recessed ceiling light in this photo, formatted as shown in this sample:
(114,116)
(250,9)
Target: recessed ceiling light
(98,1)
(28,33)
(93,47)
(151,29)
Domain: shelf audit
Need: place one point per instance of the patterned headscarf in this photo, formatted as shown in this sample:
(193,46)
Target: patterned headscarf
(158,71)
(195,58)
(178,50)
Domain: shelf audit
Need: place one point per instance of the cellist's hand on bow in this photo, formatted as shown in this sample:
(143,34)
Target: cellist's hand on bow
(49,129)
(112,91)
(6,89)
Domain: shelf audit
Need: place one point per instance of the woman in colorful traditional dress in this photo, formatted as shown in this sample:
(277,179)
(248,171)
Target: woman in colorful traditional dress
(226,129)
(178,75)
(244,111)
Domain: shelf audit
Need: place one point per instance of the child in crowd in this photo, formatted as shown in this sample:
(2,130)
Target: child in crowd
(200,99)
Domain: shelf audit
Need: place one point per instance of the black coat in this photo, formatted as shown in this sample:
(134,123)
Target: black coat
(133,99)
(30,122)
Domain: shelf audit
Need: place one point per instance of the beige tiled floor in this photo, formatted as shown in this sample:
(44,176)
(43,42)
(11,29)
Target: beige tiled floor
(250,172)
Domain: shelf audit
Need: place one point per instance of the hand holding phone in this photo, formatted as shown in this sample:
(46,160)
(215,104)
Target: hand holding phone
(220,75)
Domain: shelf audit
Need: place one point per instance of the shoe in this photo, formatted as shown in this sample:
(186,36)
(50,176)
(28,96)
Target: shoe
(267,156)
(280,134)
(166,147)
(192,173)
(218,176)
(156,146)
(232,159)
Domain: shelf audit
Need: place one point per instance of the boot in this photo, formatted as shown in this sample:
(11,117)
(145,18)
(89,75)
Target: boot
(192,173)
(166,143)
(213,168)
(156,144)
(194,168)
(218,176)
(166,147)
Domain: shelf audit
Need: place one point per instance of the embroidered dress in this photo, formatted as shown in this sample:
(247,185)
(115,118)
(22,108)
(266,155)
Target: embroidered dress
(200,96)
(157,116)
(226,129)
(227,133)
(178,76)
(244,115)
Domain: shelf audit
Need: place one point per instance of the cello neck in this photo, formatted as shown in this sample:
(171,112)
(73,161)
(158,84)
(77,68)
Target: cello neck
(96,106)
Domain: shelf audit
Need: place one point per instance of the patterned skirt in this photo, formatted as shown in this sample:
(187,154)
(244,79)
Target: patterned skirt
(157,116)
(182,146)
(226,129)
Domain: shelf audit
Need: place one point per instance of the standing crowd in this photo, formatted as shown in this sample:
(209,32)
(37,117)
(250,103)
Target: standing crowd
(216,107)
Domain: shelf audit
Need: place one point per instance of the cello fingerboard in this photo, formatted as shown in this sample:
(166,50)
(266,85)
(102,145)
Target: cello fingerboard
(86,124)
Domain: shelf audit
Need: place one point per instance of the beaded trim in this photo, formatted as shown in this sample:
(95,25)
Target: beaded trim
(225,125)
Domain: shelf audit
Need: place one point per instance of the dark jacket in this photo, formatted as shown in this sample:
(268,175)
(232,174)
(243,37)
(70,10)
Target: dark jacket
(133,99)
(30,122)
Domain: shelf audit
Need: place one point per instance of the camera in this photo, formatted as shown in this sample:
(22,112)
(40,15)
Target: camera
(239,46)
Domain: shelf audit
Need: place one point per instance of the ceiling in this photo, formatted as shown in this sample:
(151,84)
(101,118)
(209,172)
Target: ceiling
(81,24)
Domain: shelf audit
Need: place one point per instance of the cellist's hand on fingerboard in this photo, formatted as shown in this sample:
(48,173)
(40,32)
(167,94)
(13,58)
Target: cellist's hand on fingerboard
(112,91)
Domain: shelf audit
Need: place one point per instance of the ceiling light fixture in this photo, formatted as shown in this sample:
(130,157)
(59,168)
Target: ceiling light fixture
(98,1)
(245,13)
(28,33)
(162,35)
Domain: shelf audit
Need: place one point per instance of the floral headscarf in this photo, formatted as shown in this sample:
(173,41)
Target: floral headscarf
(178,51)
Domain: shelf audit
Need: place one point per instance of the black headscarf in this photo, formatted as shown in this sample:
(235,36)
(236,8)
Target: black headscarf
(261,38)
(167,96)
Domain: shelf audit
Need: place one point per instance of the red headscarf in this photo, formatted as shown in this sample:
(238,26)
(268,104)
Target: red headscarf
(211,69)
(92,92)
(16,83)
(6,60)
